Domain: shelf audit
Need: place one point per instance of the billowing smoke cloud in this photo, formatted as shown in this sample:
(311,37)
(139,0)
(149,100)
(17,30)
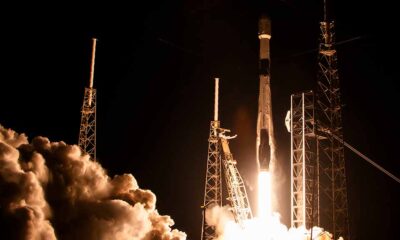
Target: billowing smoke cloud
(50,190)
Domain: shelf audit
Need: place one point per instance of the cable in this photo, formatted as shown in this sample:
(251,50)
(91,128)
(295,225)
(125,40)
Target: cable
(367,159)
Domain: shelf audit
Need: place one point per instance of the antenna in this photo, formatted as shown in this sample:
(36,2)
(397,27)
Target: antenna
(92,71)
(216,99)
(325,11)
(93,60)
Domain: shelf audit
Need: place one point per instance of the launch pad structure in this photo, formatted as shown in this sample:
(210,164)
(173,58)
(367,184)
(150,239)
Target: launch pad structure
(87,131)
(318,176)
(220,158)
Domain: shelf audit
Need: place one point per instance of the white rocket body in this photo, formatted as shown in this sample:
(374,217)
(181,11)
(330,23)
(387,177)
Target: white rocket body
(265,138)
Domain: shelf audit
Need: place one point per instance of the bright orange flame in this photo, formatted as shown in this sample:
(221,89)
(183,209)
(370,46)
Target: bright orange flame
(264,195)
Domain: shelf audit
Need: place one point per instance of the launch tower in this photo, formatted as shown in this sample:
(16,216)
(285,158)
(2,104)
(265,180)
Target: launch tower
(330,152)
(318,182)
(213,184)
(219,154)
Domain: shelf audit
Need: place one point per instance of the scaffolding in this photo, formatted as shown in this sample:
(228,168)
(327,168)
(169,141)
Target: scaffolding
(219,155)
(332,177)
(238,199)
(318,183)
(329,207)
(213,183)
(304,167)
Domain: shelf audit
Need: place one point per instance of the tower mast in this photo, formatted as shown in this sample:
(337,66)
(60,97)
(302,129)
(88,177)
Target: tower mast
(330,152)
(213,183)
(87,131)
(318,182)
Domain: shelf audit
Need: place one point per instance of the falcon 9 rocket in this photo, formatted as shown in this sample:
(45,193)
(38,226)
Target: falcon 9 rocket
(265,136)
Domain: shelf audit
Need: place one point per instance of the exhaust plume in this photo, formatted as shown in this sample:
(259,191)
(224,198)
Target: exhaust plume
(51,190)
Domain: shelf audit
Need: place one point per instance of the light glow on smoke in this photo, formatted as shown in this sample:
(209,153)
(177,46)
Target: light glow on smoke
(269,229)
(264,195)
(267,224)
(51,190)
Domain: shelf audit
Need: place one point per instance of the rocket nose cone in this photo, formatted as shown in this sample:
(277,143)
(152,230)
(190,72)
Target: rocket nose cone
(264,25)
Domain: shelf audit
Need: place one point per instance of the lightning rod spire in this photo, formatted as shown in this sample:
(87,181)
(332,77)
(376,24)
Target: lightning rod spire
(93,60)
(216,99)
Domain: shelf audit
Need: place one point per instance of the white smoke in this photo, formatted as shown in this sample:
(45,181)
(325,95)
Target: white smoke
(219,217)
(50,190)
(256,229)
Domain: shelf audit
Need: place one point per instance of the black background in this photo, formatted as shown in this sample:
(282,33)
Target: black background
(154,73)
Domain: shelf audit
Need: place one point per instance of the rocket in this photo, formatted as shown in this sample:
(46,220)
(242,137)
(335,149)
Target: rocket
(265,151)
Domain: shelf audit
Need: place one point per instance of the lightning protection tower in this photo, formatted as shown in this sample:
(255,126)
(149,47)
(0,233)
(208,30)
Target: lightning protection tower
(330,154)
(213,184)
(87,131)
(318,181)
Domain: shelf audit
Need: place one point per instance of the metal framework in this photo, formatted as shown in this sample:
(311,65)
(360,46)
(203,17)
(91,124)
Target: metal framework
(87,131)
(213,184)
(330,153)
(304,167)
(235,186)
(218,154)
(322,201)
(212,190)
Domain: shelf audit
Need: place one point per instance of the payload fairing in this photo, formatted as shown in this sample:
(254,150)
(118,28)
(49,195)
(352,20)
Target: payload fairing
(265,135)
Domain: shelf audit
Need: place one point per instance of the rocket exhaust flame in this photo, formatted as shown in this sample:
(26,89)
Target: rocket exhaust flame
(260,229)
(266,226)
(264,195)
(49,190)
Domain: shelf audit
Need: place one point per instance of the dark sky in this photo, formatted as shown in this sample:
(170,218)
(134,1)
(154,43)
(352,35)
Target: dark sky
(154,73)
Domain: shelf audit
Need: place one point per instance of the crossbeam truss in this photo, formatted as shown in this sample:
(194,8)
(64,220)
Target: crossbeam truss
(319,191)
(213,183)
(219,154)
(238,200)
(304,168)
(87,131)
(332,178)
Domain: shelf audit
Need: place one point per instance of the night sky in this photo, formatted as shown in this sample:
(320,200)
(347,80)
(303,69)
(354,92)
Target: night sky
(155,64)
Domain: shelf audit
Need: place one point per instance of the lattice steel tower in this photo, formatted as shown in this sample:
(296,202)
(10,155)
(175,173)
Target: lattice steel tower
(304,165)
(219,152)
(330,153)
(87,131)
(213,184)
(318,180)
